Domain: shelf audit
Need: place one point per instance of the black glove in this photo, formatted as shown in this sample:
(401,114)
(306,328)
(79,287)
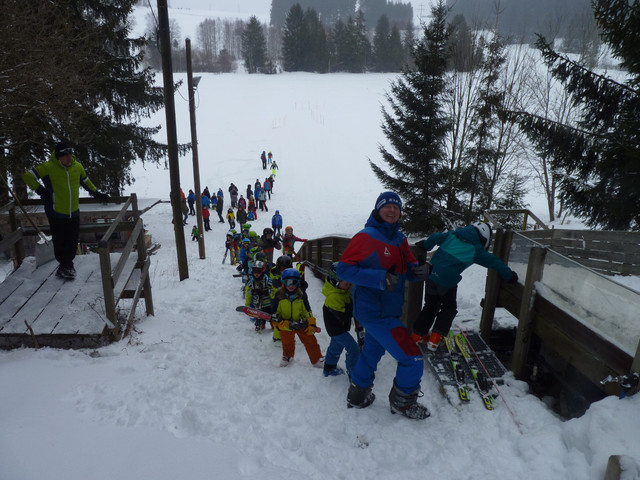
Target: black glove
(514,278)
(43,192)
(422,271)
(391,280)
(103,197)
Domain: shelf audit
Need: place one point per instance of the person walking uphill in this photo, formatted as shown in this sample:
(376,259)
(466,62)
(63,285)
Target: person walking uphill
(377,262)
(458,250)
(61,177)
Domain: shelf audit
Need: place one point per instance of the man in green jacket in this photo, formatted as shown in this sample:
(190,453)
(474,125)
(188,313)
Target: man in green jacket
(58,181)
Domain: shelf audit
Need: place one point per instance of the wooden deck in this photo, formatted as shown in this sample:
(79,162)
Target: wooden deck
(61,313)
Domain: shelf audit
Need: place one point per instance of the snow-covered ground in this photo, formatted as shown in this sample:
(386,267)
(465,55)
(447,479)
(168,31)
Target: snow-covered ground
(195,393)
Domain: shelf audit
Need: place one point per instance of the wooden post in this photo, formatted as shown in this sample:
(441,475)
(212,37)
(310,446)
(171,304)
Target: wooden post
(614,469)
(107,283)
(172,137)
(194,151)
(501,248)
(18,247)
(143,261)
(522,344)
(414,293)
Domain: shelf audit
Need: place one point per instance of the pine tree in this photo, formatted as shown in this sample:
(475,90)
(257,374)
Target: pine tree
(416,129)
(74,63)
(292,46)
(254,46)
(599,158)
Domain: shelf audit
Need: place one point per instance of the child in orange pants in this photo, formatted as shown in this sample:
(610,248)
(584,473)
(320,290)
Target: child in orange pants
(294,319)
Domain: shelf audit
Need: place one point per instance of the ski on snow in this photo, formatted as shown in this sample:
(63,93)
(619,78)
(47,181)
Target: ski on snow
(482,383)
(456,365)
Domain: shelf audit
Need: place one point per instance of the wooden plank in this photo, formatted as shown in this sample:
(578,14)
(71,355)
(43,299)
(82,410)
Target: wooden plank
(18,289)
(81,299)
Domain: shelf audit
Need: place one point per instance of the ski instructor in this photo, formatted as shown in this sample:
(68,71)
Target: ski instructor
(377,262)
(61,178)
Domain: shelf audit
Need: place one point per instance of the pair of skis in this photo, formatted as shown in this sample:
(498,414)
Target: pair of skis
(260,314)
(453,355)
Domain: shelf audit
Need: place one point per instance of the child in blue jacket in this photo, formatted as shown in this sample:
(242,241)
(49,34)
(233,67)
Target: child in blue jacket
(458,250)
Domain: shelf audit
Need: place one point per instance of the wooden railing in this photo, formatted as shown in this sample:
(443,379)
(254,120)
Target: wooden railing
(127,279)
(494,216)
(574,341)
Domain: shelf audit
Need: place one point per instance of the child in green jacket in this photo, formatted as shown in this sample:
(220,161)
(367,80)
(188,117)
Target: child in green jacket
(337,312)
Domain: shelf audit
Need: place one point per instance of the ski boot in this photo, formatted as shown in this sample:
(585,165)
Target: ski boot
(359,397)
(407,404)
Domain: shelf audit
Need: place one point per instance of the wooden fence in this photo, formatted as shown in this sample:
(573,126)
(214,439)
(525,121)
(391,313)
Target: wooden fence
(606,252)
(127,279)
(586,350)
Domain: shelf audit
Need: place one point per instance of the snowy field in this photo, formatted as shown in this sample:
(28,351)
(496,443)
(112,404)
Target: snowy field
(195,393)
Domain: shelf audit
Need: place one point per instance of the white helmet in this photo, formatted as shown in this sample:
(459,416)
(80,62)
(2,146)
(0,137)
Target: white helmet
(484,230)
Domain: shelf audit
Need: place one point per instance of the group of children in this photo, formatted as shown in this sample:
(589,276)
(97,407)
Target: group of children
(279,288)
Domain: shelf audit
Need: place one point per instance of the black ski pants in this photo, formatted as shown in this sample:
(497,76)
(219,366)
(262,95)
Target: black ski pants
(64,233)
(440,306)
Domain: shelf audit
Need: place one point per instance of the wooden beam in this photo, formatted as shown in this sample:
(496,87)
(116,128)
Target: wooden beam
(526,315)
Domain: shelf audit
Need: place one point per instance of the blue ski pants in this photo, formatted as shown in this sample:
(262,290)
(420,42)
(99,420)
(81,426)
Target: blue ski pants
(389,334)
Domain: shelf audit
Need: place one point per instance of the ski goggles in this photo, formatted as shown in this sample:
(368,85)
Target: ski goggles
(291,281)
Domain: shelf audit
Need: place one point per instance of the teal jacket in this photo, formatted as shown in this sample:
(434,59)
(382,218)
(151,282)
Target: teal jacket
(459,250)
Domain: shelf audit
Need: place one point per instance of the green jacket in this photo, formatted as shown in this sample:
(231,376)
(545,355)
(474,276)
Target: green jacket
(63,182)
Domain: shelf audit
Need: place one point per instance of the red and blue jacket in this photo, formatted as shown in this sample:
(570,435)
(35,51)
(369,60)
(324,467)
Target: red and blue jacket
(377,249)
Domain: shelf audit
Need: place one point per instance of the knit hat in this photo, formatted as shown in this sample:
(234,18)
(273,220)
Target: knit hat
(62,149)
(386,198)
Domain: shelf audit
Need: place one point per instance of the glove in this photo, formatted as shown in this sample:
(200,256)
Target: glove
(310,330)
(43,192)
(283,325)
(103,197)
(422,271)
(514,278)
(390,281)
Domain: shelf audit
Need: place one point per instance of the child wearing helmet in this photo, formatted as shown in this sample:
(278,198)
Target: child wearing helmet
(268,243)
(231,218)
(276,223)
(258,291)
(458,250)
(337,312)
(288,243)
(244,256)
(294,318)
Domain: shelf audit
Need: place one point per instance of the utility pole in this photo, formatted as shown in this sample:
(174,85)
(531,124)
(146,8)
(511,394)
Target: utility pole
(172,137)
(194,149)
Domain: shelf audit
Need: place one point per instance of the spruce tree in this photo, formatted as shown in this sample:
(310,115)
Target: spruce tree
(254,46)
(75,66)
(292,46)
(416,129)
(599,158)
